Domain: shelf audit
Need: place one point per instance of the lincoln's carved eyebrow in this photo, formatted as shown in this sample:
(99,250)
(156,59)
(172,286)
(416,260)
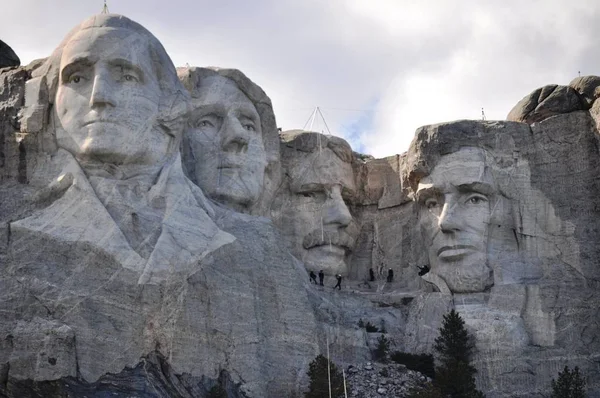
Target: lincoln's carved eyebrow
(427,192)
(75,64)
(479,187)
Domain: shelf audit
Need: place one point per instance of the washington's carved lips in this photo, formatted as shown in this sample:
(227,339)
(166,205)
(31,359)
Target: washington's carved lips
(454,252)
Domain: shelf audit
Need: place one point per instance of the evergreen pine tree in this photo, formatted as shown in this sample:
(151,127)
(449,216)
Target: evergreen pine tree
(570,384)
(455,347)
(217,392)
(382,349)
(319,387)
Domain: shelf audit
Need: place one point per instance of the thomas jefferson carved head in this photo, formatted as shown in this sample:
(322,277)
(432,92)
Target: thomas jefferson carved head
(231,136)
(312,210)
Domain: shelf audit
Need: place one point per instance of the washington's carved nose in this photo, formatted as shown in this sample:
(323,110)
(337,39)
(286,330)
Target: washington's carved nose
(102,94)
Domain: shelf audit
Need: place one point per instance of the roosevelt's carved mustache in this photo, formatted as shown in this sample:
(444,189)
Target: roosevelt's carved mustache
(336,238)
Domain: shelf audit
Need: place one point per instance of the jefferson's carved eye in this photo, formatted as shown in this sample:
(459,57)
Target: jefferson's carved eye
(249,127)
(476,199)
(130,78)
(75,78)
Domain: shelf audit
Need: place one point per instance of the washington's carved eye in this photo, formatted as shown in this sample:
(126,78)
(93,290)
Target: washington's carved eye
(130,78)
(205,123)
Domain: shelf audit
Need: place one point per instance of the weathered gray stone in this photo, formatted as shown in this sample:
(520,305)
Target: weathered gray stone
(231,145)
(118,275)
(546,102)
(8,57)
(537,258)
(587,88)
(311,208)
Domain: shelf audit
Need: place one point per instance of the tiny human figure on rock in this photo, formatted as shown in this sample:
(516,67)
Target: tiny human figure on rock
(371,275)
(339,282)
(313,277)
(390,277)
(321,276)
(423,270)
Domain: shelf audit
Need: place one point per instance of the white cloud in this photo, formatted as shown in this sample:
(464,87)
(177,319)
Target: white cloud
(405,63)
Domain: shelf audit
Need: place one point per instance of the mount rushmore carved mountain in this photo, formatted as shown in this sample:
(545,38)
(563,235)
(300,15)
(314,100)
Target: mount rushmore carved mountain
(157,232)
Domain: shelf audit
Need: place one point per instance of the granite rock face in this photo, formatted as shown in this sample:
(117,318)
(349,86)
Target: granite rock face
(8,57)
(128,271)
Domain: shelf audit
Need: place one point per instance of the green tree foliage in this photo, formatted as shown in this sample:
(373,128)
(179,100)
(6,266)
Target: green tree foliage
(570,384)
(217,392)
(420,362)
(319,387)
(381,351)
(371,328)
(455,347)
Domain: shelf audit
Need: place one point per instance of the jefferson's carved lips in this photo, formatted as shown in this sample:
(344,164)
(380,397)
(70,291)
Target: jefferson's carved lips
(454,252)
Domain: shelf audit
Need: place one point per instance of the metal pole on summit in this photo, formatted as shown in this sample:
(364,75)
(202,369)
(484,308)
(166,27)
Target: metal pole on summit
(105,8)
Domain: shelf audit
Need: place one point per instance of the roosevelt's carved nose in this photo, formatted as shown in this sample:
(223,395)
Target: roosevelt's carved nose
(335,210)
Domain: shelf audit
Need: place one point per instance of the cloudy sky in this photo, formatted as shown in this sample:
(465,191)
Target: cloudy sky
(378,69)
